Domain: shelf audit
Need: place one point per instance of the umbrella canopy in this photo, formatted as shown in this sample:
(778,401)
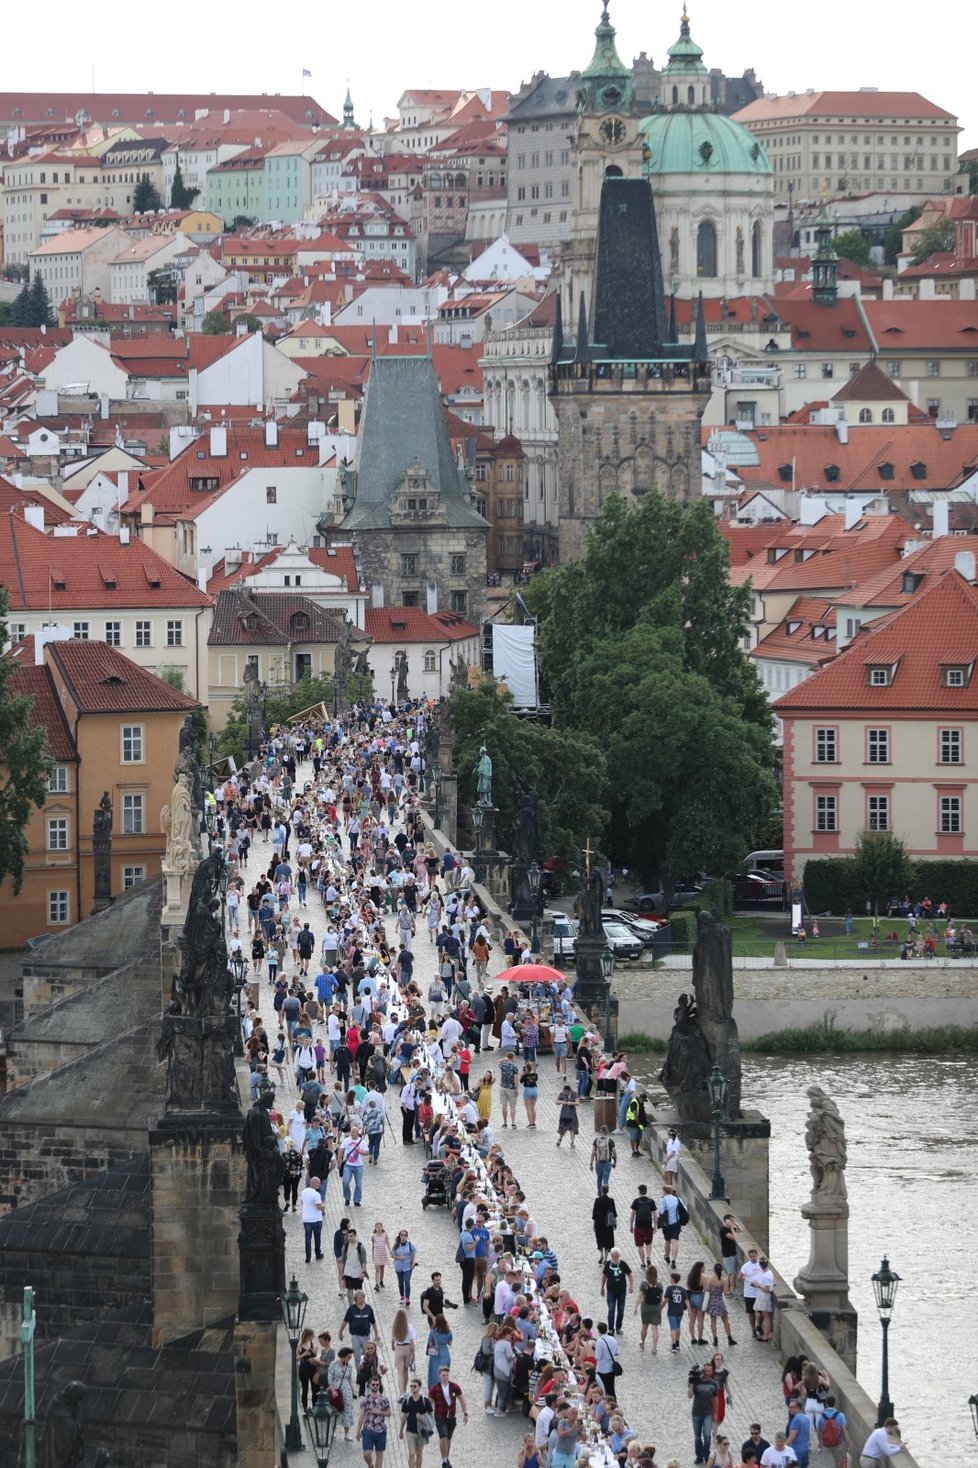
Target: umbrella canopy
(533,973)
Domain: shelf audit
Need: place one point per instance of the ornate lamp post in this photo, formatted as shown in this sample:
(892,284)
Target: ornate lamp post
(393,679)
(239,968)
(716,1084)
(533,874)
(321,1424)
(477,814)
(608,973)
(884,1288)
(436,773)
(293,1302)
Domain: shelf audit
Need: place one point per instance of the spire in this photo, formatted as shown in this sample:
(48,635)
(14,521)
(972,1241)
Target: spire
(700,351)
(825,262)
(348,118)
(606,80)
(582,352)
(557,345)
(684,55)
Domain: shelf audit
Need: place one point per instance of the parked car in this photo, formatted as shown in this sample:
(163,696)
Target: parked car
(756,887)
(642,930)
(565,933)
(681,897)
(623,942)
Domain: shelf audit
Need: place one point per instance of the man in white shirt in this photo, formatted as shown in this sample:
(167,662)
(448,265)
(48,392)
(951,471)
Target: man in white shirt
(545,1419)
(883,1442)
(779,1454)
(312,1218)
(750,1273)
(670,1167)
(449,1034)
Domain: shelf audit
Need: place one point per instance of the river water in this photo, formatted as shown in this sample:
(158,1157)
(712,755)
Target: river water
(912,1134)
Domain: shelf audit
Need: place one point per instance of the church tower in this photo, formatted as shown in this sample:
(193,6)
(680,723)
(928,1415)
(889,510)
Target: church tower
(825,262)
(629,399)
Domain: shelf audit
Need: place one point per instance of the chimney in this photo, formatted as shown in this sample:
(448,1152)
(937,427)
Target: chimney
(854,512)
(123,478)
(34,515)
(392,334)
(377,595)
(964,564)
(123,534)
(271,435)
(202,579)
(842,429)
(940,512)
(432,605)
(811,510)
(227,116)
(219,442)
(103,406)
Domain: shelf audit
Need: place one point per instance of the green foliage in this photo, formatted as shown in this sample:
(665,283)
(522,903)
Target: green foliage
(162,286)
(971,169)
(853,244)
(169,673)
(893,239)
(251,321)
(935,238)
(826,1038)
(567,769)
(6,312)
(637,1042)
(682,925)
(216,323)
(32,306)
(180,196)
(146,196)
(640,648)
(830,887)
(880,868)
(24,769)
(717,896)
(242,221)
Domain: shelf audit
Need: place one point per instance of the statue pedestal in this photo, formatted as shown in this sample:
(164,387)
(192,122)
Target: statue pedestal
(261,1249)
(177,885)
(520,897)
(824,1281)
(487,836)
(449,808)
(590,989)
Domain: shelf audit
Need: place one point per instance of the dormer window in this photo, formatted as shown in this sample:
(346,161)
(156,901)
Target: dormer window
(832,472)
(918,469)
(956,677)
(786,473)
(299,624)
(911,580)
(886,471)
(880,677)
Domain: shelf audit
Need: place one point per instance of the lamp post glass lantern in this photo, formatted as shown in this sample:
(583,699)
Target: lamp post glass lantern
(477,814)
(321,1424)
(239,969)
(533,875)
(885,1283)
(436,773)
(608,973)
(293,1302)
(716,1084)
(973,1404)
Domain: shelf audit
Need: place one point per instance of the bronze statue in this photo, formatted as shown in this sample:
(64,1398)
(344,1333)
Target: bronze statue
(102,823)
(589,902)
(526,821)
(705,1031)
(102,852)
(203,985)
(460,672)
(63,1444)
(825,1138)
(265,1166)
(401,664)
(483,774)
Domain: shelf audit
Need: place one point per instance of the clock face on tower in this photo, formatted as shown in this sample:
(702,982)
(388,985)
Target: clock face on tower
(613,130)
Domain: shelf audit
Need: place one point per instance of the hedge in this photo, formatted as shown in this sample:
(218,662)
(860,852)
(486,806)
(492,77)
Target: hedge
(828,885)
(682,926)
(716,896)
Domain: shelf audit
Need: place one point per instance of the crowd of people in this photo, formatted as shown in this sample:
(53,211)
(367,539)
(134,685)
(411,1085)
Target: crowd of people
(365,1055)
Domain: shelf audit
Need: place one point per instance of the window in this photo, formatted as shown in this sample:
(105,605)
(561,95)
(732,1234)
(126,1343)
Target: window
(411,598)
(801,370)
(951,747)
(132,744)
(826,746)
(878,812)
(825,812)
(706,250)
(174,634)
(58,833)
(954,678)
(132,876)
(878,746)
(458,564)
(58,907)
(58,780)
(81,630)
(888,415)
(144,634)
(429,660)
(893,368)
(950,815)
(113,634)
(827,369)
(18,631)
(132,815)
(460,601)
(271,494)
(879,677)
(933,369)
(409,565)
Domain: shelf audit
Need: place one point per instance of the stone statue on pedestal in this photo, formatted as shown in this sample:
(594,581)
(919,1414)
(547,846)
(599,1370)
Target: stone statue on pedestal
(261,1149)
(177,824)
(253,710)
(525,834)
(401,664)
(343,665)
(825,1138)
(63,1443)
(824,1280)
(102,852)
(705,1032)
(589,902)
(261,1241)
(483,776)
(460,672)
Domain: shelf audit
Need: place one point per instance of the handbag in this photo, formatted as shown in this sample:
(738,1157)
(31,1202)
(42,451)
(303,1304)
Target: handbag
(432,1348)
(335,1398)
(617,1368)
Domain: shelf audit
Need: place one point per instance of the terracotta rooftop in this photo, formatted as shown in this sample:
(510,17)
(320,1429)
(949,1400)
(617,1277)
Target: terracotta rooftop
(875,459)
(805,635)
(244,618)
(893,586)
(338,560)
(102,680)
(46,711)
(411,624)
(842,105)
(915,645)
(869,385)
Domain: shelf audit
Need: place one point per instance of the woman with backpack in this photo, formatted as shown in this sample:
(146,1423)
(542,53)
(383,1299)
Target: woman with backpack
(484,1364)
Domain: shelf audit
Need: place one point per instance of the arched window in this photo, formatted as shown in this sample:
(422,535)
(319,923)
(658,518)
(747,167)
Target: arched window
(755,251)
(706,250)
(429,660)
(612,171)
(690,96)
(888,415)
(675,95)
(865,415)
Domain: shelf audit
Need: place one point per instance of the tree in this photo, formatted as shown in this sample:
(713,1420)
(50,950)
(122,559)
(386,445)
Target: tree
(180,196)
(24,770)
(852,244)
(893,239)
(640,643)
(880,868)
(936,238)
(216,323)
(21,310)
(146,196)
(6,311)
(242,221)
(41,313)
(162,286)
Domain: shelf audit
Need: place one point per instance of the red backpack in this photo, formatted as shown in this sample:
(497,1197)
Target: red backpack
(831,1431)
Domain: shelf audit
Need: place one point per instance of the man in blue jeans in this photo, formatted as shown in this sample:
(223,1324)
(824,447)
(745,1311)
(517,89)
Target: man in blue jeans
(351,1161)
(603,1158)
(702,1390)
(312,1218)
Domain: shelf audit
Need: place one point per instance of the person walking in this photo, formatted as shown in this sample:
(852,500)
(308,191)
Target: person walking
(362,1323)
(503,1357)
(696,1290)
(417,1422)
(604,1220)
(312,1218)
(508,1082)
(649,1307)
(404,1255)
(292,1175)
(567,1122)
(437,1349)
(603,1158)
(670,1164)
(530,1081)
(618,1281)
(675,1307)
(375,1409)
(641,1224)
(448,1399)
(729,1229)
(306,1356)
(750,1273)
(465,1258)
(380,1250)
(701,1391)
(339,1379)
(354,1264)
(670,1221)
(717,1289)
(607,1365)
(403,1341)
(351,1163)
(833,1431)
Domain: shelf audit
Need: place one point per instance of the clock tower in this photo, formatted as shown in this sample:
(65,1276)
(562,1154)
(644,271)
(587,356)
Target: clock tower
(605,142)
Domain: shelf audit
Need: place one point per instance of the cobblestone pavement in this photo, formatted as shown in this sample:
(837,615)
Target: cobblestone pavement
(560,1191)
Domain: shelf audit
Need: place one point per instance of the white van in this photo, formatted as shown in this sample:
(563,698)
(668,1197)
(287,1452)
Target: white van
(768,861)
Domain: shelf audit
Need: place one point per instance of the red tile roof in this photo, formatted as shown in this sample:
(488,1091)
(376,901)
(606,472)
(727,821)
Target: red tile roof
(813,452)
(102,680)
(805,635)
(886,587)
(86,572)
(131,107)
(938,627)
(46,711)
(824,557)
(338,560)
(270,614)
(14,501)
(918,326)
(411,624)
(841,105)
(869,385)
(837,328)
(170,492)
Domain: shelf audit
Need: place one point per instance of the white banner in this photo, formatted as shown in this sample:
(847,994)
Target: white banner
(514,662)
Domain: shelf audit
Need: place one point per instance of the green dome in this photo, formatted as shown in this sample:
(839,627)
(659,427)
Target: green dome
(701,142)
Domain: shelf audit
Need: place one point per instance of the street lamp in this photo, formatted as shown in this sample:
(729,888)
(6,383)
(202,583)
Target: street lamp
(393,680)
(293,1302)
(321,1424)
(607,973)
(973,1404)
(716,1084)
(533,875)
(884,1288)
(239,968)
(436,776)
(477,815)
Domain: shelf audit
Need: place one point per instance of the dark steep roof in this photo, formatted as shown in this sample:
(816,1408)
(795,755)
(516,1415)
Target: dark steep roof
(628,317)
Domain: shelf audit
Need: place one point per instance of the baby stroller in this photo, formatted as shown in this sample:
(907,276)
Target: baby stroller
(434,1175)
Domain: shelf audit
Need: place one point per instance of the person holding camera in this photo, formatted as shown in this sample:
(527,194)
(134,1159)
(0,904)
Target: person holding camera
(701,1389)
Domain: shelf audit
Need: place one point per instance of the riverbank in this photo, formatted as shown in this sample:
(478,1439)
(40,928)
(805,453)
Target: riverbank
(827,1037)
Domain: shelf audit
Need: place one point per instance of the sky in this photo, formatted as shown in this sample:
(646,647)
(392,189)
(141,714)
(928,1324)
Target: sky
(831,44)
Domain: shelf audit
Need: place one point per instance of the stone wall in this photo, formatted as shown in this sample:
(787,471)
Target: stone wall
(255,1362)
(380,552)
(744,1164)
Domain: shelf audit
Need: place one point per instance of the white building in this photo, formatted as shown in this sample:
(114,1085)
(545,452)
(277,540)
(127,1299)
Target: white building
(129,272)
(77,261)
